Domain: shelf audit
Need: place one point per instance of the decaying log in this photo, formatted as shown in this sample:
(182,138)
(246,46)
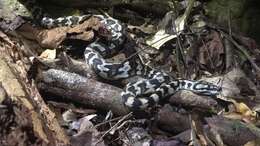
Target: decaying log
(38,118)
(80,89)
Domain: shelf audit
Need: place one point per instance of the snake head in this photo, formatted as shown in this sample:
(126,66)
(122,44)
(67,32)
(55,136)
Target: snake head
(205,88)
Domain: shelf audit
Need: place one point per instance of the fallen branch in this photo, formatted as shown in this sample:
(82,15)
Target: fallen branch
(187,98)
(83,90)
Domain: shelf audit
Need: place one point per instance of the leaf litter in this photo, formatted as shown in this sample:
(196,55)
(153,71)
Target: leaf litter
(197,50)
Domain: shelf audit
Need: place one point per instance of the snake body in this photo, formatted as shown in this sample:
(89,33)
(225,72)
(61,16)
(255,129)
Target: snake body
(137,95)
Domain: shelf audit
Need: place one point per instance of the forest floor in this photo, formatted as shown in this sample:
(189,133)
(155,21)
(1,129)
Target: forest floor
(49,95)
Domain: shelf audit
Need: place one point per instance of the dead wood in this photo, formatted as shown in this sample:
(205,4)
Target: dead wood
(83,90)
(187,98)
(66,63)
(229,50)
(26,102)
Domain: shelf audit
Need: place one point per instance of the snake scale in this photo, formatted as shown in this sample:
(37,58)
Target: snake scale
(136,95)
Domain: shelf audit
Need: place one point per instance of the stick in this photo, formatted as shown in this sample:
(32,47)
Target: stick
(83,90)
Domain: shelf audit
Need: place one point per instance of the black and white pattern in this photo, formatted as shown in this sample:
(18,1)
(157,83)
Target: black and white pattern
(137,95)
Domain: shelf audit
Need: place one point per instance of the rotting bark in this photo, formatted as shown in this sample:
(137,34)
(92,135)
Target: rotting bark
(86,91)
(16,91)
(25,95)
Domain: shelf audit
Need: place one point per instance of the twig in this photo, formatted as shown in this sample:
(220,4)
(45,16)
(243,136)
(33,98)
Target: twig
(228,53)
(124,123)
(123,118)
(228,46)
(242,50)
(111,120)
(210,57)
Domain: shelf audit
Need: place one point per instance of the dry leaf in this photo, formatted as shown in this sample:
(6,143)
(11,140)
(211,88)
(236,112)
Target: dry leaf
(87,134)
(52,38)
(243,109)
(161,37)
(48,54)
(211,52)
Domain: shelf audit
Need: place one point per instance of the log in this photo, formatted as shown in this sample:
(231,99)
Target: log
(188,98)
(83,90)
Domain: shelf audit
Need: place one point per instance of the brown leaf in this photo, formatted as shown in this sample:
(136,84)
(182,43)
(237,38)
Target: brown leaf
(52,38)
(48,54)
(211,52)
(87,134)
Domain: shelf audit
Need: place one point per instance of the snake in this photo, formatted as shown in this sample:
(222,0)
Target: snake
(155,85)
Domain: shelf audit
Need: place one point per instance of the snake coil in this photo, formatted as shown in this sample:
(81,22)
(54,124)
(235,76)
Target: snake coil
(136,95)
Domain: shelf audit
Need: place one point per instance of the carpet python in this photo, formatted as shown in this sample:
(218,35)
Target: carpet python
(136,95)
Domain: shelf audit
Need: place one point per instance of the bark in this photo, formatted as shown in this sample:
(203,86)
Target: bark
(86,91)
(188,98)
(24,101)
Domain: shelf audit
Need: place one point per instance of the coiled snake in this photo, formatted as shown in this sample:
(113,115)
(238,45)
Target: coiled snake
(136,95)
